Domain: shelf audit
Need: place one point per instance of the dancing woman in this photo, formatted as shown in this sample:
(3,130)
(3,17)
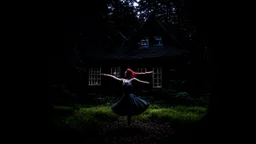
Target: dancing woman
(129,104)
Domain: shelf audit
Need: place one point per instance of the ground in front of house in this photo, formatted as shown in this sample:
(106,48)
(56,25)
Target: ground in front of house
(98,124)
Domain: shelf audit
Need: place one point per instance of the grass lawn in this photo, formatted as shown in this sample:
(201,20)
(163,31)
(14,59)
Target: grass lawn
(158,123)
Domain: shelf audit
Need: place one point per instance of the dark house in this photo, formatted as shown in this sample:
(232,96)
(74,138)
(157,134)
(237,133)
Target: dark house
(153,47)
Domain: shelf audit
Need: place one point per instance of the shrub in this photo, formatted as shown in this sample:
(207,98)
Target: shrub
(59,95)
(184,98)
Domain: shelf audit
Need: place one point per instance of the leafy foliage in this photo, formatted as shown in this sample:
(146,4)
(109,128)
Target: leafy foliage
(59,95)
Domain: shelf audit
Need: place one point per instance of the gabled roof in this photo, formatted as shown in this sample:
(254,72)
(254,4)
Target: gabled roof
(152,52)
(167,30)
(125,53)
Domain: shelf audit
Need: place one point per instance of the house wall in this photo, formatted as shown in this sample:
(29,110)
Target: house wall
(172,69)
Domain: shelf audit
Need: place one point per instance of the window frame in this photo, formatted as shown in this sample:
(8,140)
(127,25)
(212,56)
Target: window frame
(160,42)
(158,76)
(94,77)
(146,41)
(140,69)
(117,70)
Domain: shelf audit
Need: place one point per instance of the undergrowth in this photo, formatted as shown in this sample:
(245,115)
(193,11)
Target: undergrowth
(94,117)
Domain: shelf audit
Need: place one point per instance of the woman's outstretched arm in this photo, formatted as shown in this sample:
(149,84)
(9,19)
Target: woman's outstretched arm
(109,75)
(140,73)
(145,82)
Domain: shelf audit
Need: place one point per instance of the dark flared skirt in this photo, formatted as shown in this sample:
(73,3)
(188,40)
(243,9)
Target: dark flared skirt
(130,105)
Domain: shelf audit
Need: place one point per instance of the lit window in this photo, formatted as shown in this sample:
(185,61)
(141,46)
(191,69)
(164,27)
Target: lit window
(116,71)
(157,77)
(94,76)
(158,41)
(144,43)
(141,69)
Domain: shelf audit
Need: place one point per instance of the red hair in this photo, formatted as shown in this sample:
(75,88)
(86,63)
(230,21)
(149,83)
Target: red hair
(130,73)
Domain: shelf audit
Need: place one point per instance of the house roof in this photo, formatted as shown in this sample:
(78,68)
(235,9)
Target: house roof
(145,53)
(123,53)
(168,30)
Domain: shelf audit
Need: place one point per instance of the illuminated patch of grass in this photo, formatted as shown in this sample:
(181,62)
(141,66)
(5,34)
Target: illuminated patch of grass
(170,114)
(93,117)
